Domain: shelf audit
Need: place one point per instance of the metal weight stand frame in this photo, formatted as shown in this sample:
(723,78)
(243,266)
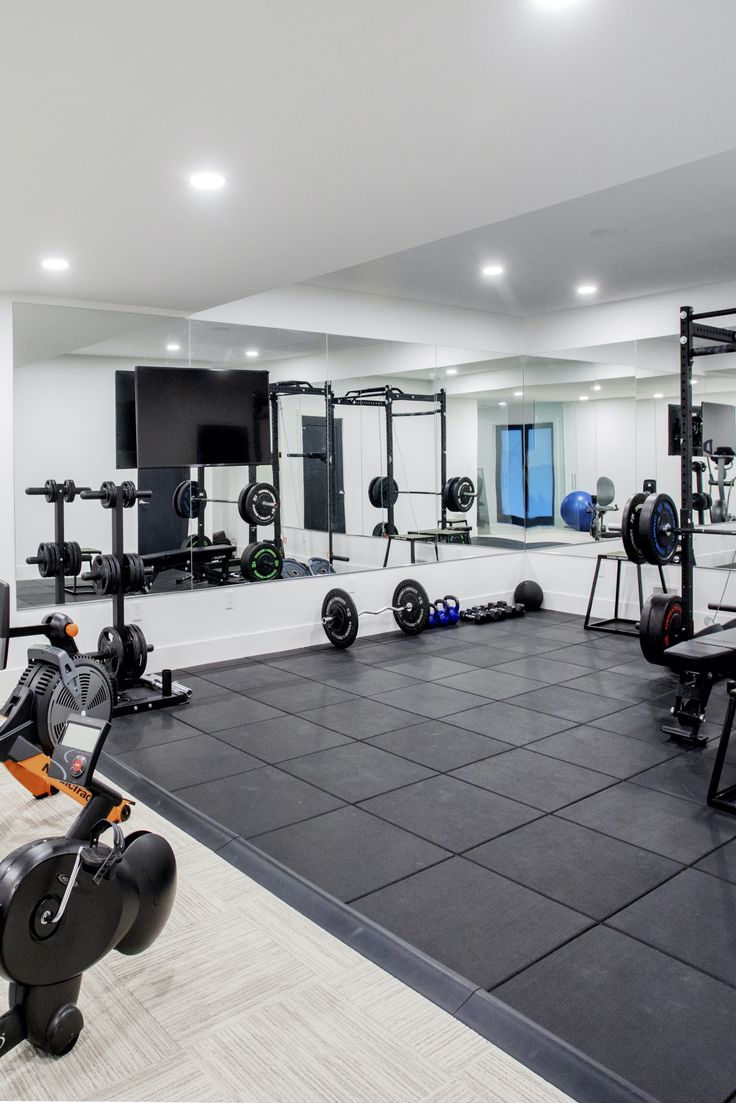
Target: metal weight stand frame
(60,587)
(164,692)
(619,626)
(386,397)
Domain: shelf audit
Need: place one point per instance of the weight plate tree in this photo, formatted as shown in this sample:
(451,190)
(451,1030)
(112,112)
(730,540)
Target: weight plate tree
(662,625)
(340,618)
(629,527)
(261,562)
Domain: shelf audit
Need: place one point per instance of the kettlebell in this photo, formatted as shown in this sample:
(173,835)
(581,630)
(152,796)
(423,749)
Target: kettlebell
(432,621)
(443,613)
(453,608)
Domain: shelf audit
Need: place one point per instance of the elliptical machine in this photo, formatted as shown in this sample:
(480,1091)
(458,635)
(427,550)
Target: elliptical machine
(65,902)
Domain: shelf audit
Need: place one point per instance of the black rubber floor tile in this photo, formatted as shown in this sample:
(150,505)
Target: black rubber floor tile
(632,1009)
(543,669)
(314,666)
(638,668)
(227,664)
(544,783)
(564,633)
(428,667)
(595,658)
(677,828)
(368,680)
(568,704)
(450,813)
(439,746)
(608,752)
(202,689)
(481,654)
(620,687)
(429,699)
(281,738)
(299,695)
(259,801)
(202,757)
(483,926)
(688,776)
(242,679)
(642,721)
(227,711)
(587,871)
(162,726)
(721,863)
(349,853)
(690,918)
(522,643)
(381,653)
(492,684)
(509,723)
(356,771)
(361,718)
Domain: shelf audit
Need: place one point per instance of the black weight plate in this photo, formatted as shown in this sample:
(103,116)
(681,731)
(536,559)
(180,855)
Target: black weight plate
(661,626)
(188,500)
(109,492)
(195,541)
(388,492)
(384,529)
(51,490)
(128,493)
(340,618)
(629,527)
(318,565)
(135,652)
(373,493)
(292,568)
(110,646)
(258,504)
(72,558)
(68,491)
(261,562)
(412,600)
(658,515)
(462,494)
(48,559)
(446,491)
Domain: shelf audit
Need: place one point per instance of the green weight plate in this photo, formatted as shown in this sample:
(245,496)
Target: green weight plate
(661,626)
(196,541)
(340,618)
(411,607)
(655,533)
(629,527)
(261,562)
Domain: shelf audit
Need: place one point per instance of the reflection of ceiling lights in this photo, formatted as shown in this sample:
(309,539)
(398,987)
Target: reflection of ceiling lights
(207,181)
(554,5)
(492,270)
(173,347)
(587,289)
(503,403)
(451,371)
(596,386)
(55,264)
(694,381)
(659,395)
(518,394)
(583,398)
(251,353)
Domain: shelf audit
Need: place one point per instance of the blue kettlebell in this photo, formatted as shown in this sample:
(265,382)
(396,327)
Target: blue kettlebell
(453,608)
(432,621)
(443,613)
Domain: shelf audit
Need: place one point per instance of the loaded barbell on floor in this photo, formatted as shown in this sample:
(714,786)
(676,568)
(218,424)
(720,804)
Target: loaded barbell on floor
(457,494)
(258,503)
(409,605)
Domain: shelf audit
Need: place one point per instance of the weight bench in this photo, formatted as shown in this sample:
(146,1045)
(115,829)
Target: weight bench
(700,663)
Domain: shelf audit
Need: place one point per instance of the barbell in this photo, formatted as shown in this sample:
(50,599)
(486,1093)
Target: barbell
(258,503)
(650,529)
(410,606)
(457,494)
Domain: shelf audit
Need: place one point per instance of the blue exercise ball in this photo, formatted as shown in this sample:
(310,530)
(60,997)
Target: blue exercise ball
(576,510)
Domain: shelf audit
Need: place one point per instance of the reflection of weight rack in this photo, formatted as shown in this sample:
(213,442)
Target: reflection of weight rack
(60,558)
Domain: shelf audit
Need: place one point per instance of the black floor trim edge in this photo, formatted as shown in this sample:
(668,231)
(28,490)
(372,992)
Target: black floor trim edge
(560,1064)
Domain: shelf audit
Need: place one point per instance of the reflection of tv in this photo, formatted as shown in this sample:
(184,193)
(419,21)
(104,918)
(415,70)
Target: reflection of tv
(201,417)
(719,429)
(126,453)
(674,431)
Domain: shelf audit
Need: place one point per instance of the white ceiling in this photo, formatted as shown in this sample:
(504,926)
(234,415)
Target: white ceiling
(669,230)
(347,131)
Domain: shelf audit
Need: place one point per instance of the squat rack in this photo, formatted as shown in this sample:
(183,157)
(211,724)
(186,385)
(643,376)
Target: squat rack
(692,329)
(386,397)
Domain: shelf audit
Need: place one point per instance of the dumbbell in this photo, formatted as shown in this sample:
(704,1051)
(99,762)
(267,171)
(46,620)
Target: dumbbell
(409,605)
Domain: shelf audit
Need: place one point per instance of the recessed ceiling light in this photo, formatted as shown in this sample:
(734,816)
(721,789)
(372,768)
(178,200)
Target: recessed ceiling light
(251,353)
(554,5)
(492,270)
(596,386)
(207,181)
(694,381)
(503,403)
(583,397)
(55,264)
(518,394)
(659,395)
(173,347)
(451,371)
(587,289)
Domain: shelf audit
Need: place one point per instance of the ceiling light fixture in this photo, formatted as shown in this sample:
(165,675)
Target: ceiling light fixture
(587,289)
(55,264)
(518,394)
(492,270)
(503,403)
(596,386)
(583,397)
(251,353)
(173,347)
(207,181)
(451,371)
(659,395)
(554,5)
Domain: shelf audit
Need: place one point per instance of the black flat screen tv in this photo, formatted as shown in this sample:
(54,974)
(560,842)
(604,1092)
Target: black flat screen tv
(201,417)
(126,452)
